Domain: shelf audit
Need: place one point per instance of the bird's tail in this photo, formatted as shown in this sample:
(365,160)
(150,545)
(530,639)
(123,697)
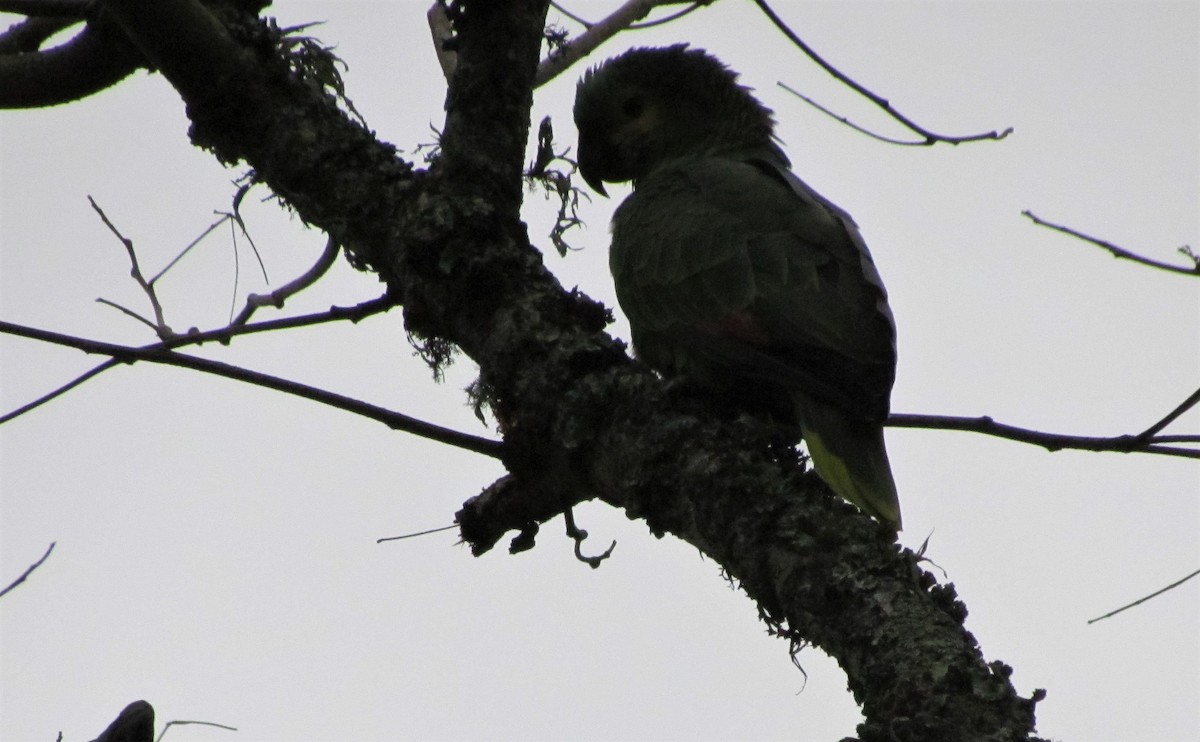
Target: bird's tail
(849,455)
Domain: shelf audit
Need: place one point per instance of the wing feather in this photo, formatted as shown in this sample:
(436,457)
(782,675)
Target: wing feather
(703,243)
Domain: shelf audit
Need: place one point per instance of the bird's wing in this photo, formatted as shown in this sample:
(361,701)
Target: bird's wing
(739,266)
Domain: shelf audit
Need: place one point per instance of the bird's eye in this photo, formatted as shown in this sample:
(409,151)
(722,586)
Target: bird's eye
(633,107)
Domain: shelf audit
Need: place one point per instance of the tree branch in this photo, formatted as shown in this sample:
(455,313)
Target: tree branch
(928,137)
(1139,601)
(1120,252)
(159,325)
(621,19)
(29,35)
(28,571)
(94,60)
(1187,404)
(222,335)
(160,354)
(277,297)
(1145,442)
(76,9)
(581,419)
(847,122)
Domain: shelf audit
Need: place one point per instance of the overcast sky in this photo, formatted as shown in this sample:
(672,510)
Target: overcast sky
(216,543)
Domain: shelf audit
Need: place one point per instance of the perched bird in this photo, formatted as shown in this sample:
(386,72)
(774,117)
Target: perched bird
(732,271)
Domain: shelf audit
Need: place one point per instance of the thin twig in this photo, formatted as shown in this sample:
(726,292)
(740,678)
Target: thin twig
(672,17)
(1049,441)
(189,247)
(237,223)
(578,535)
(418,533)
(1176,438)
(160,324)
(563,11)
(30,406)
(1154,594)
(848,122)
(930,137)
(1117,252)
(128,312)
(181,723)
(696,5)
(28,571)
(277,297)
(237,269)
(236,214)
(394,420)
(1169,418)
(223,336)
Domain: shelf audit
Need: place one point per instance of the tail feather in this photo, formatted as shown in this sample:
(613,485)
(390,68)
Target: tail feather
(849,455)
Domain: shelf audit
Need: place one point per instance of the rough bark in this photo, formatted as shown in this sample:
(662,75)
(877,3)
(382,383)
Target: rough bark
(582,421)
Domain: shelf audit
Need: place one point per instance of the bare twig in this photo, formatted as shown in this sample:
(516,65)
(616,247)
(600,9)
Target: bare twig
(696,5)
(28,571)
(563,11)
(621,19)
(1169,418)
(128,312)
(848,122)
(159,324)
(223,336)
(236,223)
(673,16)
(168,725)
(1120,252)
(209,230)
(578,535)
(1154,594)
(1050,441)
(418,533)
(277,297)
(49,396)
(929,137)
(394,420)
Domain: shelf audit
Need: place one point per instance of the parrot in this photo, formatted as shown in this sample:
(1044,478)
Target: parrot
(733,272)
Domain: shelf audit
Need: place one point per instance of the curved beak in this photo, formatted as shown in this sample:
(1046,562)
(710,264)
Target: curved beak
(591,159)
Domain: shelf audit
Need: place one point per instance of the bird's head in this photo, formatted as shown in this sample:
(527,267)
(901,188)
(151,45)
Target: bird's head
(650,106)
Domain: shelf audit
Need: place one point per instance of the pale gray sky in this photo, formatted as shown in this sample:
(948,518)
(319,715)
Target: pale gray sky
(216,543)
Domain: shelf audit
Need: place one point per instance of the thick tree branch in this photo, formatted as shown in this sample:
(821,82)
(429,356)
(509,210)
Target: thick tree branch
(29,34)
(582,420)
(95,59)
(76,9)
